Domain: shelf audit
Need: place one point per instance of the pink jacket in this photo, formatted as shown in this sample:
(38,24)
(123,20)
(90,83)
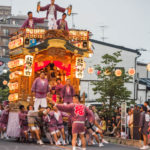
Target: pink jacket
(57,8)
(79,112)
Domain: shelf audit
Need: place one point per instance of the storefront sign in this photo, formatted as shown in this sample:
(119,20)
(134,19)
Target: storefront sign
(16,63)
(16,43)
(28,65)
(35,33)
(79,67)
(13,97)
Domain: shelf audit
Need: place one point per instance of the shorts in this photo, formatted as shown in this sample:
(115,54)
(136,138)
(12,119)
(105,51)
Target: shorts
(61,126)
(53,130)
(40,102)
(33,128)
(3,126)
(78,128)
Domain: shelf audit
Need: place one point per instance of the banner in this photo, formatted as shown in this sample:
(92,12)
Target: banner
(28,65)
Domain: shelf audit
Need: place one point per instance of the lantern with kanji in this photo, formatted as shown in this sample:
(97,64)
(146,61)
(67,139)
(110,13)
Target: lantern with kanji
(118,72)
(4,82)
(148,67)
(131,71)
(90,70)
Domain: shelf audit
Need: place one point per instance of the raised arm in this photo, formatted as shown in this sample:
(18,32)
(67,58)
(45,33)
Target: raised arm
(65,108)
(39,20)
(60,9)
(24,24)
(44,8)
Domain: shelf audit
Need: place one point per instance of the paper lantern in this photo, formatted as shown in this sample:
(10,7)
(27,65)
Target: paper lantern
(107,73)
(90,70)
(98,72)
(118,72)
(4,82)
(90,55)
(148,67)
(131,71)
(13,97)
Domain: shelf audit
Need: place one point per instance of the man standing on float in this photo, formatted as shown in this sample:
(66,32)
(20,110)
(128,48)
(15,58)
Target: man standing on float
(52,13)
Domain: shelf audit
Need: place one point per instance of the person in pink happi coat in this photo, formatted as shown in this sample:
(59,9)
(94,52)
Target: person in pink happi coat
(79,114)
(50,120)
(59,117)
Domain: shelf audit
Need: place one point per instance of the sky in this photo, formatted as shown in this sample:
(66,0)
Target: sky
(127,21)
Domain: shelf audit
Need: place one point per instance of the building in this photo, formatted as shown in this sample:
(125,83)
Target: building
(143,83)
(129,60)
(9,25)
(5,11)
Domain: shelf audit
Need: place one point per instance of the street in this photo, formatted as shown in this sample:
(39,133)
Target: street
(11,145)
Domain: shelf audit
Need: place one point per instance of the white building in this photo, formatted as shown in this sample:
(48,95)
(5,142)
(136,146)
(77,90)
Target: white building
(129,60)
(143,82)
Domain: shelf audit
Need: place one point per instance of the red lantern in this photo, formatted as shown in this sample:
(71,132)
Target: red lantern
(131,71)
(118,72)
(98,72)
(4,82)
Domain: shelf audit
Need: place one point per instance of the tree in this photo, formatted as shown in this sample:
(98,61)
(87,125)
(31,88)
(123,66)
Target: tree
(111,88)
(4,90)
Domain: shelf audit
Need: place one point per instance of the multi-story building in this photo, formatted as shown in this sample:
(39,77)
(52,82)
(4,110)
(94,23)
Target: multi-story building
(5,11)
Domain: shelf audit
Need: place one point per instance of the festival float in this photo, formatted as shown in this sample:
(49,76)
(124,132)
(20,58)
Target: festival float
(59,53)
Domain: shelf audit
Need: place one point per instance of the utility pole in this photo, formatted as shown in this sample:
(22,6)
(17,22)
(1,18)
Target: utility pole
(103,27)
(73,23)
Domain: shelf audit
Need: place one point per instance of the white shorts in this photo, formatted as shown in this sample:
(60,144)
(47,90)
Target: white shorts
(52,25)
(34,128)
(38,102)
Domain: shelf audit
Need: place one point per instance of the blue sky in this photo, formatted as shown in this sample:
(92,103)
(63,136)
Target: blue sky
(127,21)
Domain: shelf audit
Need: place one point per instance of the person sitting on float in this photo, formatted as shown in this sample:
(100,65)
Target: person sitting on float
(62,23)
(31,21)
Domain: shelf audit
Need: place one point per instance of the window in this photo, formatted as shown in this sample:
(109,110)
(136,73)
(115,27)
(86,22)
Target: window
(13,22)
(6,32)
(5,42)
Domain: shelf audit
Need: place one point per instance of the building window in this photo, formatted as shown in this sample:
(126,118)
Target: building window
(6,32)
(13,22)
(5,42)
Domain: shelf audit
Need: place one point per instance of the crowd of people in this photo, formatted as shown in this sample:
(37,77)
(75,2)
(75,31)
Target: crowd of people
(63,120)
(58,115)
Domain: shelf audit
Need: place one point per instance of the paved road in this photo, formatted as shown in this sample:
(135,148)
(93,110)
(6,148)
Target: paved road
(11,145)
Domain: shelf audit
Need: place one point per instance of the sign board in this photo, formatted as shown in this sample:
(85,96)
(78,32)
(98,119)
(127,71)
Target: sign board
(35,33)
(16,43)
(79,67)
(16,63)
(28,65)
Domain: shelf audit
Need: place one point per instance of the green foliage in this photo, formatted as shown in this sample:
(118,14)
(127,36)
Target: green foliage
(4,90)
(110,88)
